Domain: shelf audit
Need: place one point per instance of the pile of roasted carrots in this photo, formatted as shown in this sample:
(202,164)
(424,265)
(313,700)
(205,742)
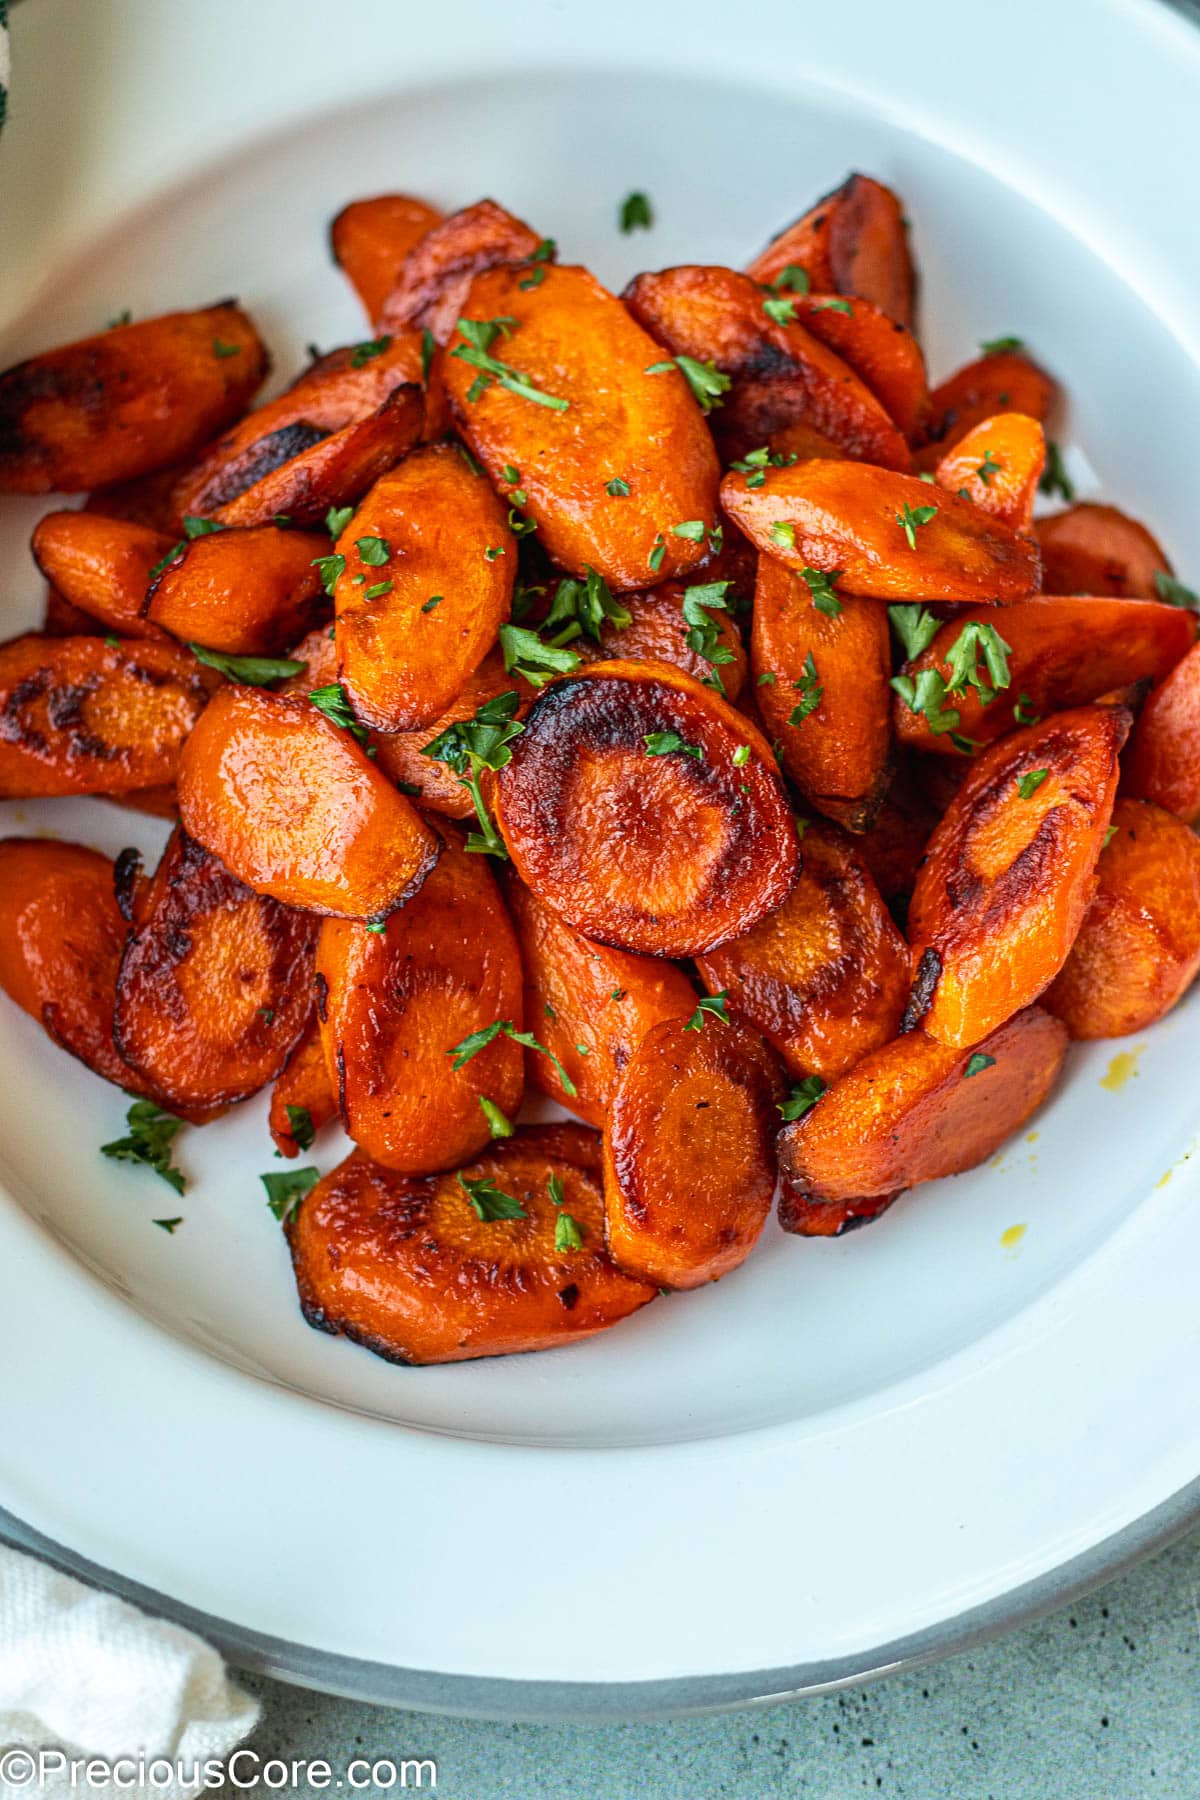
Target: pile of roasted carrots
(664,703)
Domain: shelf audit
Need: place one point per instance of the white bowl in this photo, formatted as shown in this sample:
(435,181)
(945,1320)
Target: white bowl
(847,1453)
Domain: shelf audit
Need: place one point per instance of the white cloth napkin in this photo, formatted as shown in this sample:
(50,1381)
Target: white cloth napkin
(82,1670)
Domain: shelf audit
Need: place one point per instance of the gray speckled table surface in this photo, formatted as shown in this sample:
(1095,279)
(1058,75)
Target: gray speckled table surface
(1100,1701)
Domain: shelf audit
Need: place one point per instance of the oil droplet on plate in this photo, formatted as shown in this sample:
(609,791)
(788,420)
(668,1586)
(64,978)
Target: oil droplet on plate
(1120,1069)
(1012,1237)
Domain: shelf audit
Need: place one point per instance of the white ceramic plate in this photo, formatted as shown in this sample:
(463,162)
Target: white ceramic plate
(848,1452)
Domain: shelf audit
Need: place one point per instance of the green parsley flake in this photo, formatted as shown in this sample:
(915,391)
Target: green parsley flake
(488,1201)
(151,1135)
(250,671)
(286,1188)
(820,586)
(1055,479)
(811,691)
(667,743)
(978,1063)
(803,1098)
(479,1040)
(300,1126)
(618,487)
(912,518)
(635,213)
(1028,785)
(499,1124)
(998,345)
(363,353)
(716,1004)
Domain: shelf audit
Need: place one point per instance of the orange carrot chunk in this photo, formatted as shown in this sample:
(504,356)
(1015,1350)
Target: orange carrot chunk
(998,465)
(434,277)
(1093,549)
(370,239)
(1163,760)
(101,567)
(244,593)
(302,1099)
(1005,381)
(853,241)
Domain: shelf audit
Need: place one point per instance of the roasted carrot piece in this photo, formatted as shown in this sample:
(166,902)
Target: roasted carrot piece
(856,522)
(1092,549)
(291,805)
(1004,381)
(659,631)
(779,373)
(821,683)
(432,284)
(853,241)
(146,500)
(126,401)
(589,1004)
(101,567)
(1138,950)
(337,471)
(913,1111)
(302,1099)
(894,848)
(88,715)
(825,978)
(478,1262)
(689,1151)
(155,802)
(61,935)
(1010,872)
(1163,760)
(427,579)
(399,1010)
(883,353)
(215,984)
(1060,653)
(596,418)
(625,810)
(369,240)
(345,387)
(246,593)
(998,465)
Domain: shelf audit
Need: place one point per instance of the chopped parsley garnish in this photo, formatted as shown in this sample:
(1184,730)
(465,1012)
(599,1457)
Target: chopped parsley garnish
(912,518)
(151,1135)
(915,626)
(518,524)
(286,1188)
(583,606)
(925,693)
(499,1123)
(716,1004)
(1174,592)
(1109,835)
(988,467)
(997,346)
(428,352)
(1029,784)
(1023,713)
(1055,479)
(840,306)
(779,309)
(251,671)
(493,553)
(766,679)
(526,655)
(784,534)
(668,743)
(978,642)
(300,1126)
(433,600)
(480,335)
(476,1041)
(706,381)
(330,568)
(755,463)
(544,253)
(820,586)
(334,702)
(475,744)
(635,213)
(741,756)
(803,1097)
(791,279)
(170,1226)
(657,551)
(488,1201)
(977,1063)
(337,519)
(221,351)
(122,318)
(811,691)
(193,528)
(379,588)
(618,487)
(374,551)
(568,1233)
(703,635)
(363,353)
(692,529)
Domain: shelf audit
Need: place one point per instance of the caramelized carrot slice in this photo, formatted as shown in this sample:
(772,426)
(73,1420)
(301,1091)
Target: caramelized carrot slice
(856,522)
(246,593)
(778,372)
(101,566)
(1138,950)
(401,753)
(88,715)
(998,465)
(429,565)
(882,352)
(822,686)
(1060,654)
(825,978)
(215,984)
(1092,549)
(894,848)
(1163,760)
(61,935)
(589,1004)
(659,632)
(912,1111)
(1005,381)
(625,810)
(396,1005)
(126,401)
(335,472)
(597,418)
(479,1262)
(689,1151)
(291,805)
(302,1099)
(370,239)
(345,387)
(431,288)
(1009,874)
(854,241)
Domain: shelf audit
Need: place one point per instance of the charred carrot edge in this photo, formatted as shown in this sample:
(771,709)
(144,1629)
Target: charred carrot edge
(369,240)
(853,241)
(433,280)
